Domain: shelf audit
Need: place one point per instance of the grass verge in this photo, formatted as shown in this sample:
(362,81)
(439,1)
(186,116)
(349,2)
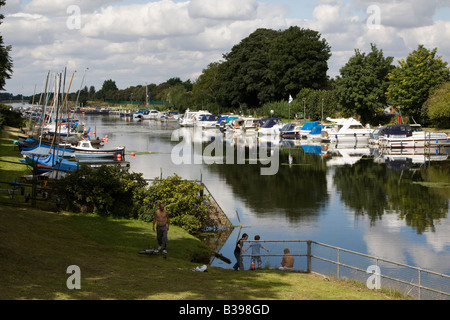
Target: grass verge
(37,247)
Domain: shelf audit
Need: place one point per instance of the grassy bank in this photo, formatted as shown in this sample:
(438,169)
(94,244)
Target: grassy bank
(36,247)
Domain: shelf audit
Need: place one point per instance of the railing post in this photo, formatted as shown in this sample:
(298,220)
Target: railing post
(338,262)
(419,285)
(308,267)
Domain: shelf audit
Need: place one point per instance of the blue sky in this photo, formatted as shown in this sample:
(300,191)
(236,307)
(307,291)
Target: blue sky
(137,42)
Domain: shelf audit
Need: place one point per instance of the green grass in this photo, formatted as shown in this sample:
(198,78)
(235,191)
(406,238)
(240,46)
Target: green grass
(36,247)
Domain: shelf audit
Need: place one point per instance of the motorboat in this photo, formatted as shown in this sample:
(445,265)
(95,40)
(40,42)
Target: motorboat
(191,117)
(411,136)
(345,130)
(224,123)
(271,126)
(376,134)
(209,121)
(151,114)
(250,125)
(244,125)
(290,130)
(308,127)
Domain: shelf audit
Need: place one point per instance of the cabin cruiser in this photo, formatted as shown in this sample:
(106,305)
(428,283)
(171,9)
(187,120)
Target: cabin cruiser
(191,117)
(411,136)
(271,126)
(208,121)
(346,130)
(150,114)
(290,130)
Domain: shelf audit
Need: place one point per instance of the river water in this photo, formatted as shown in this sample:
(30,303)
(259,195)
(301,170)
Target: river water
(345,197)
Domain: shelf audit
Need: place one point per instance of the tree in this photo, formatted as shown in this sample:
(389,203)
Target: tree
(108,90)
(437,106)
(298,59)
(243,73)
(6,64)
(412,81)
(363,82)
(204,91)
(270,65)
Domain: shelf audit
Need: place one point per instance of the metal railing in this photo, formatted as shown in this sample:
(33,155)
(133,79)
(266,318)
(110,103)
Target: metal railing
(327,260)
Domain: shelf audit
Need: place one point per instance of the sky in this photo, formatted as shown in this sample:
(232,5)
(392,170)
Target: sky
(139,42)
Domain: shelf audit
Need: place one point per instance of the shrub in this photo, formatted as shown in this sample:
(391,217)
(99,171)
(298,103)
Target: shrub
(184,201)
(107,191)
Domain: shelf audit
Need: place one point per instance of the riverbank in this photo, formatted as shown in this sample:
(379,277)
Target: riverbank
(37,247)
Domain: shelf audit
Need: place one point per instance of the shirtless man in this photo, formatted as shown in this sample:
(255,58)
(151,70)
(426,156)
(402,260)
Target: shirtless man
(162,220)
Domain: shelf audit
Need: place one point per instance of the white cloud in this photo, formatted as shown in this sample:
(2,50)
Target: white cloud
(219,9)
(59,7)
(180,38)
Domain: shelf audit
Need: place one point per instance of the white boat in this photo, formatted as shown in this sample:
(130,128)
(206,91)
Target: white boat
(246,125)
(208,121)
(346,130)
(411,136)
(84,149)
(250,125)
(191,117)
(150,114)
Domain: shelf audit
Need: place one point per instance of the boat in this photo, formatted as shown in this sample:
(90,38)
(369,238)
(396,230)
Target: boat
(209,121)
(290,131)
(250,125)
(150,114)
(271,126)
(224,122)
(308,127)
(50,163)
(139,114)
(411,136)
(191,117)
(346,130)
(316,133)
(376,134)
(169,116)
(84,149)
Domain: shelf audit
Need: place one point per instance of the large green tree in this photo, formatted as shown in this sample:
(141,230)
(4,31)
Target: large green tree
(270,65)
(362,84)
(412,81)
(243,74)
(298,59)
(6,64)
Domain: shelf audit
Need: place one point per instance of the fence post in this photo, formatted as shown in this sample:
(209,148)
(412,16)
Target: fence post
(338,262)
(308,267)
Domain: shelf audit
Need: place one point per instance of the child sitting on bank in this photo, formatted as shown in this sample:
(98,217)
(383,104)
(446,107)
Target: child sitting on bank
(256,248)
(287,263)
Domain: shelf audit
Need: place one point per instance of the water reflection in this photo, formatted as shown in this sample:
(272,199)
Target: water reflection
(393,204)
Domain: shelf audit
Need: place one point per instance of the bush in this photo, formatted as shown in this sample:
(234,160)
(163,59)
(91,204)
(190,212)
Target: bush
(112,191)
(9,117)
(184,201)
(106,191)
